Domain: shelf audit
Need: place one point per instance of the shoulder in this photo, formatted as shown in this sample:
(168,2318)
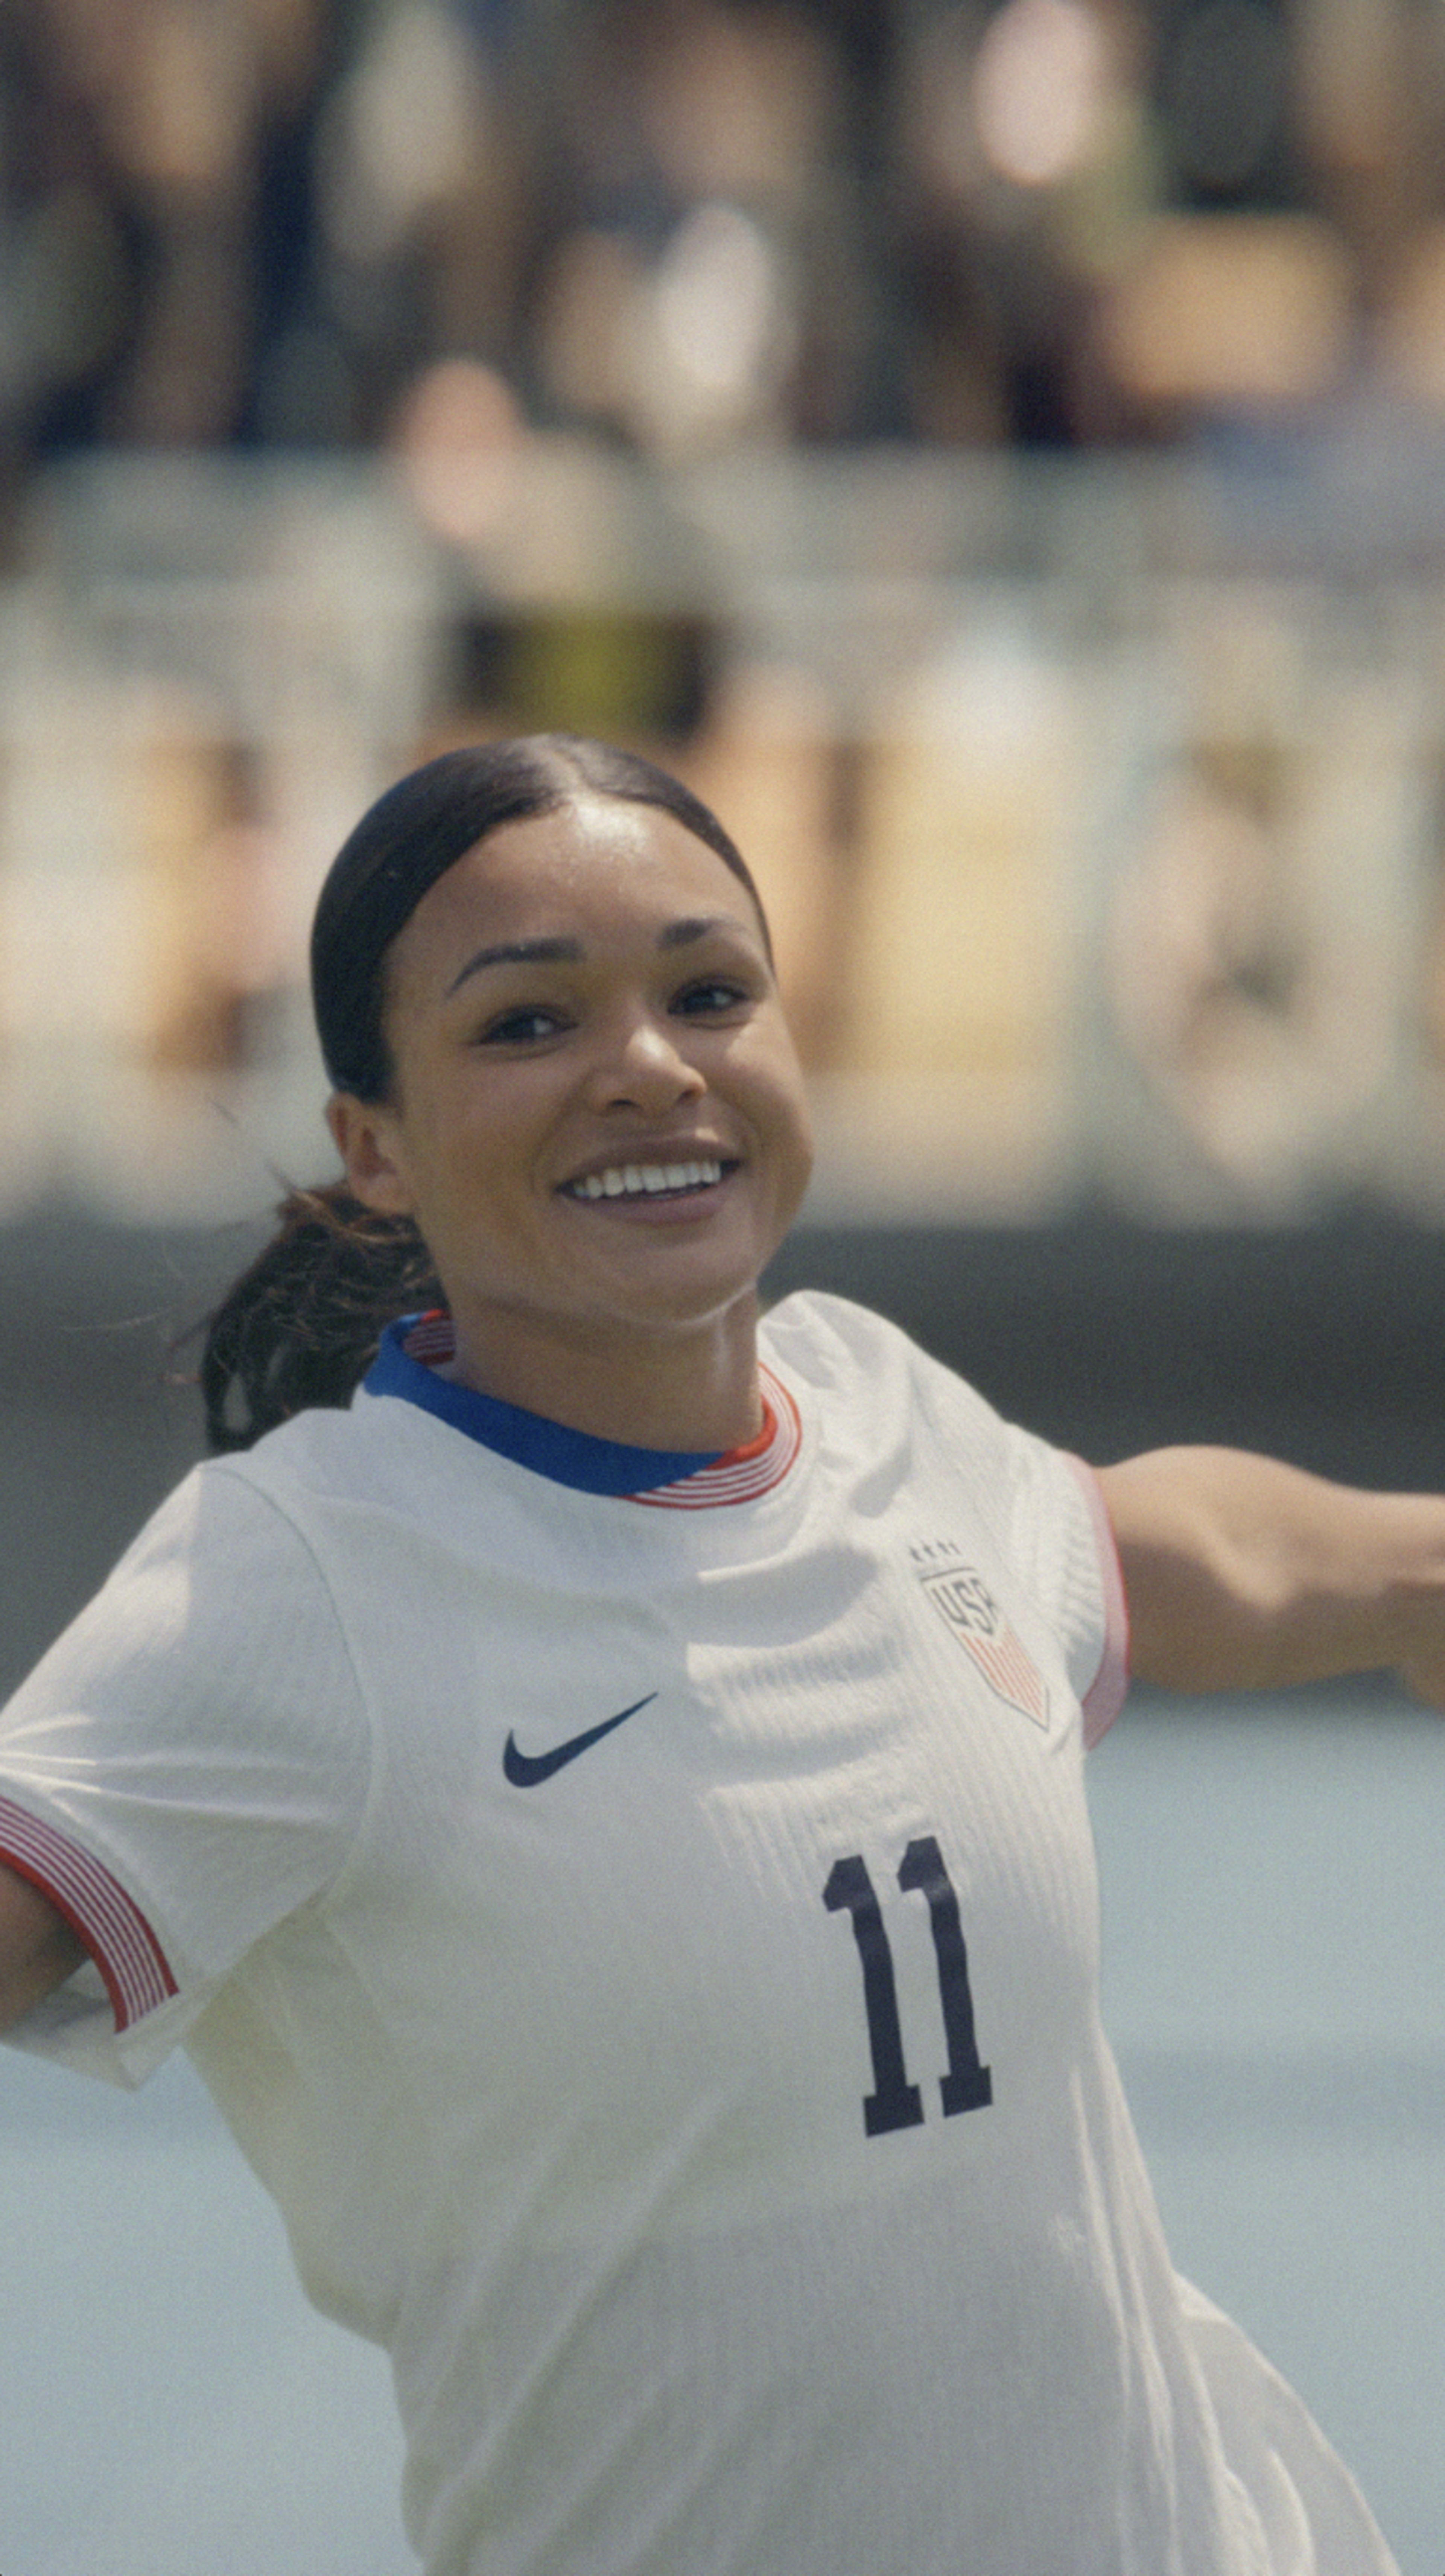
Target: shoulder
(231,1556)
(890,1398)
(217,1626)
(378,1450)
(219,1565)
(830,1340)
(257,1500)
(1037,1510)
(848,1351)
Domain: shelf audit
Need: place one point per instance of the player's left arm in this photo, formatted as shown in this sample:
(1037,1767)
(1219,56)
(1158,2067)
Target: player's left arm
(1242,1573)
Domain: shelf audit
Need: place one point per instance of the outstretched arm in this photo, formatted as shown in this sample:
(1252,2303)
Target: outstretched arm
(1242,1573)
(37,1946)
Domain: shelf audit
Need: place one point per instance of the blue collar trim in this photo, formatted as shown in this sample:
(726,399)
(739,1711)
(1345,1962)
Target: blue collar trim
(573,1458)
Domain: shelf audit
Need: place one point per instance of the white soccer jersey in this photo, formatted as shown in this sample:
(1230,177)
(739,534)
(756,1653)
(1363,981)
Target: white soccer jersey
(639,1919)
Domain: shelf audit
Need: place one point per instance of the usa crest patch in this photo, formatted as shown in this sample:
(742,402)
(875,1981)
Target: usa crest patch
(967,1607)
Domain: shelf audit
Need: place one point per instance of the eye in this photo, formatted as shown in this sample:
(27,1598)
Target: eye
(712,997)
(528,1025)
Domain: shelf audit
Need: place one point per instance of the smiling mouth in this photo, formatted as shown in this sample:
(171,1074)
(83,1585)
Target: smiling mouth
(648,1180)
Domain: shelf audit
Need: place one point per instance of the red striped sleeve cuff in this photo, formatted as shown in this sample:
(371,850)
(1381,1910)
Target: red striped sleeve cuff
(130,1959)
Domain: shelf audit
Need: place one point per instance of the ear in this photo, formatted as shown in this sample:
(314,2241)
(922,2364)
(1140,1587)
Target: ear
(365,1133)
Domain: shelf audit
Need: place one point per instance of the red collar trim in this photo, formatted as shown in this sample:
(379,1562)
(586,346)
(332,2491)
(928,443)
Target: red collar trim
(738,1476)
(742,1474)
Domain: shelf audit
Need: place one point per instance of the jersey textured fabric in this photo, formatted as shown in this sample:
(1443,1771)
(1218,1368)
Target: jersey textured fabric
(651,1955)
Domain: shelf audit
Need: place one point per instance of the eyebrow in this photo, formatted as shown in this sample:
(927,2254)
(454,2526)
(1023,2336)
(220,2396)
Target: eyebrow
(519,952)
(681,934)
(570,952)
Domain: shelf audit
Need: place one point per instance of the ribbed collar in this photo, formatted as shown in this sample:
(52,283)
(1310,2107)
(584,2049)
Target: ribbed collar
(573,1458)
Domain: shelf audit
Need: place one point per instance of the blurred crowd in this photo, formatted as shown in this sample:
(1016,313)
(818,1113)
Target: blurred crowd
(1125,825)
(685,223)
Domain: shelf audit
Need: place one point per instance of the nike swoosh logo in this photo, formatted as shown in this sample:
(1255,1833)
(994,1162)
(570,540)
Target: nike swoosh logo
(526,1770)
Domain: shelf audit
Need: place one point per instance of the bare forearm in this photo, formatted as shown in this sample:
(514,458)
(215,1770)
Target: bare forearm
(37,1947)
(1244,1573)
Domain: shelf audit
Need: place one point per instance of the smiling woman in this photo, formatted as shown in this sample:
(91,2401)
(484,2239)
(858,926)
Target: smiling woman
(580,1005)
(597,1787)
(300,1327)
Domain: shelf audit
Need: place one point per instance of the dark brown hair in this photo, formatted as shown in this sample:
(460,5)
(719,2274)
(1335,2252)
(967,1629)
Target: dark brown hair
(300,1327)
(418,830)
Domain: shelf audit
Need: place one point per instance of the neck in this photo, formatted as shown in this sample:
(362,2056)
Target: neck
(692,1388)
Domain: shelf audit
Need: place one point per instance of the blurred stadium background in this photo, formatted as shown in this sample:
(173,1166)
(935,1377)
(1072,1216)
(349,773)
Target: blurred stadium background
(997,453)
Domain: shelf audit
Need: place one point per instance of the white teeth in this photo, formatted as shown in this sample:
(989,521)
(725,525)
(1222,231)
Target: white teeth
(646,1180)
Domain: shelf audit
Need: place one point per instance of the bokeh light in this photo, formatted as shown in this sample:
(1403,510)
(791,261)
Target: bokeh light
(1039,85)
(458,434)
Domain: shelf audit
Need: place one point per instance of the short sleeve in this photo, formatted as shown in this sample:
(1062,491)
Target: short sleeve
(1047,1514)
(1060,1530)
(187,1766)
(1042,1508)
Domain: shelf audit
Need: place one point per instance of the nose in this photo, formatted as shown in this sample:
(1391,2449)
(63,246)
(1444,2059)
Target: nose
(645,1067)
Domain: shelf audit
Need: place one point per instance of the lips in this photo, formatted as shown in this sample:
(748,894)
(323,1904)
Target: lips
(648,1180)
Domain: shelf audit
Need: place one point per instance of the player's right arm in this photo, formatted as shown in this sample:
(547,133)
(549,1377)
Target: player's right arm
(37,1946)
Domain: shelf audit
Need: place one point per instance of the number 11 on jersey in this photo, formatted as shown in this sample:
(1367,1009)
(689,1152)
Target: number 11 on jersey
(894,2103)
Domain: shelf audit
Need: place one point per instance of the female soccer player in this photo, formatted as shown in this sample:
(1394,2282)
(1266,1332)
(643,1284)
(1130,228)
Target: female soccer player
(603,1807)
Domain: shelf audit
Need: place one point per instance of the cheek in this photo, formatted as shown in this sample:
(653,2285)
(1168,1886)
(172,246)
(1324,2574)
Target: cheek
(777,1081)
(481,1138)
(799,1116)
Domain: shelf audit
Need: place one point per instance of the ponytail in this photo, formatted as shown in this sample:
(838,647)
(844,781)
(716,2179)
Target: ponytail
(301,1326)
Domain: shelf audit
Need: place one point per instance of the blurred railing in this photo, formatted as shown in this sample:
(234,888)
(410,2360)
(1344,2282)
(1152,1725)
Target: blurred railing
(1098,805)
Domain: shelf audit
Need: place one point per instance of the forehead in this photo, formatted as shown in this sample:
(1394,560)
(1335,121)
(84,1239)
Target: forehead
(597,869)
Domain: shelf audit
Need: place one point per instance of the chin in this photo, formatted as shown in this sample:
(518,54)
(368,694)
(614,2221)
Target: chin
(684,1305)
